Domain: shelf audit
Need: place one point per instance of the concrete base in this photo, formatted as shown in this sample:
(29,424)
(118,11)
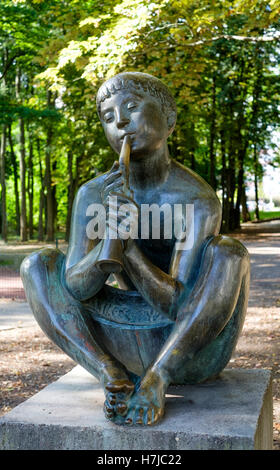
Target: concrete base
(234,412)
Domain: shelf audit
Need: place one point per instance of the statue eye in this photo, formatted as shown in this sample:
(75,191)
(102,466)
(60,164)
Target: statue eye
(108,117)
(131,105)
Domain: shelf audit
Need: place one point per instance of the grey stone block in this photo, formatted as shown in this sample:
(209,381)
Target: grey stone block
(233,412)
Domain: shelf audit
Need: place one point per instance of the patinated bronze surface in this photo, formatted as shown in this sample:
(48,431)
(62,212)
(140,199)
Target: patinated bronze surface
(177,313)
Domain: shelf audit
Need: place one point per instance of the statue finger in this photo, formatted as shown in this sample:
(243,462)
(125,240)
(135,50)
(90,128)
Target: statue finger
(105,189)
(111,177)
(124,199)
(116,186)
(115,165)
(120,212)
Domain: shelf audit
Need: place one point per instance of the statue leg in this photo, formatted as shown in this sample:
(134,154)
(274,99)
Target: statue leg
(208,324)
(68,324)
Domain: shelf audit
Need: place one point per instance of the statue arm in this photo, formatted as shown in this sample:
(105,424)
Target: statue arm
(163,290)
(83,278)
(160,289)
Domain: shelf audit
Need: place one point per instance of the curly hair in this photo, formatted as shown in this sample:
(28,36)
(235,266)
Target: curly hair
(143,83)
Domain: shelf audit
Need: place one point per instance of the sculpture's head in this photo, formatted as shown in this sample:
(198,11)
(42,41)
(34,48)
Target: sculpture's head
(137,104)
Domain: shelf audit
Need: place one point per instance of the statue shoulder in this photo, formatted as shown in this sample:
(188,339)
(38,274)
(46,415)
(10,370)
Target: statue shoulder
(89,192)
(193,184)
(196,191)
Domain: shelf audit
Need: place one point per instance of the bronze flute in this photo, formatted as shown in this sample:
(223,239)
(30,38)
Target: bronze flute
(110,256)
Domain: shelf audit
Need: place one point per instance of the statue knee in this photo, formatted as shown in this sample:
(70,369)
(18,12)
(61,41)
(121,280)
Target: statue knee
(231,249)
(46,256)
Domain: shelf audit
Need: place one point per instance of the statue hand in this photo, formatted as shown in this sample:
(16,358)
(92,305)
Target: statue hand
(112,182)
(123,214)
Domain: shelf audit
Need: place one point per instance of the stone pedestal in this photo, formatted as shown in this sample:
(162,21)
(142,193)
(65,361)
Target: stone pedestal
(233,412)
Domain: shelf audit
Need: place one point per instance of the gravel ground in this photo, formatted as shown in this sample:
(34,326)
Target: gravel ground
(29,361)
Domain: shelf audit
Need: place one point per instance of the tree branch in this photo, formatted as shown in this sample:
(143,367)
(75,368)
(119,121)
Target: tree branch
(229,37)
(265,38)
(9,63)
(276,37)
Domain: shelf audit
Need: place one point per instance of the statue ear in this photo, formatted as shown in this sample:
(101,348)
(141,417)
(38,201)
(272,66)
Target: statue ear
(171,120)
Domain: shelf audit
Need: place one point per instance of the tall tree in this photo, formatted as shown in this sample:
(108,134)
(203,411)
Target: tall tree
(15,175)
(30,186)
(48,176)
(3,185)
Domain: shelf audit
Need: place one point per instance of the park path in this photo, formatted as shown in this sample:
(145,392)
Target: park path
(15,315)
(263,243)
(259,343)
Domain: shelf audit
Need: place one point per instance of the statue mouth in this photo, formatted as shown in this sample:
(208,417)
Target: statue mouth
(131,134)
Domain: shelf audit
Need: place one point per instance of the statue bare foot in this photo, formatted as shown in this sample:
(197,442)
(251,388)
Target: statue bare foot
(146,405)
(118,388)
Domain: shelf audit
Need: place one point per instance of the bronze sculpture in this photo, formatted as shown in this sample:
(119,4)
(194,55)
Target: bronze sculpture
(177,313)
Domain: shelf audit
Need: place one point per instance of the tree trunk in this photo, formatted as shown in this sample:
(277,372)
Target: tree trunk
(240,187)
(3,210)
(257,212)
(30,186)
(192,147)
(54,200)
(72,189)
(48,180)
(241,144)
(49,208)
(70,193)
(231,185)
(212,176)
(42,197)
(23,218)
(255,113)
(4,230)
(15,173)
(22,165)
(224,184)
(245,213)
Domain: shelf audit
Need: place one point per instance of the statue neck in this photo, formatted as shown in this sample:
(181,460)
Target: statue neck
(150,170)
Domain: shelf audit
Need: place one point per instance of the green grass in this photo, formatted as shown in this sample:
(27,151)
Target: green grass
(266,215)
(6,262)
(13,238)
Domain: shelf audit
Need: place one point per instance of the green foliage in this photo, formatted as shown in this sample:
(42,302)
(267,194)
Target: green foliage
(220,60)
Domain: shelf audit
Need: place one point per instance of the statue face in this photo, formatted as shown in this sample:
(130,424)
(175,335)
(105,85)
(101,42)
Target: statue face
(138,115)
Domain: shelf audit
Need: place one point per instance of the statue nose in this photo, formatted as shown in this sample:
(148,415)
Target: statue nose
(121,120)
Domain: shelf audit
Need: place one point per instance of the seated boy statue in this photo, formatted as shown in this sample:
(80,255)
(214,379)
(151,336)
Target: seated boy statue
(179,307)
